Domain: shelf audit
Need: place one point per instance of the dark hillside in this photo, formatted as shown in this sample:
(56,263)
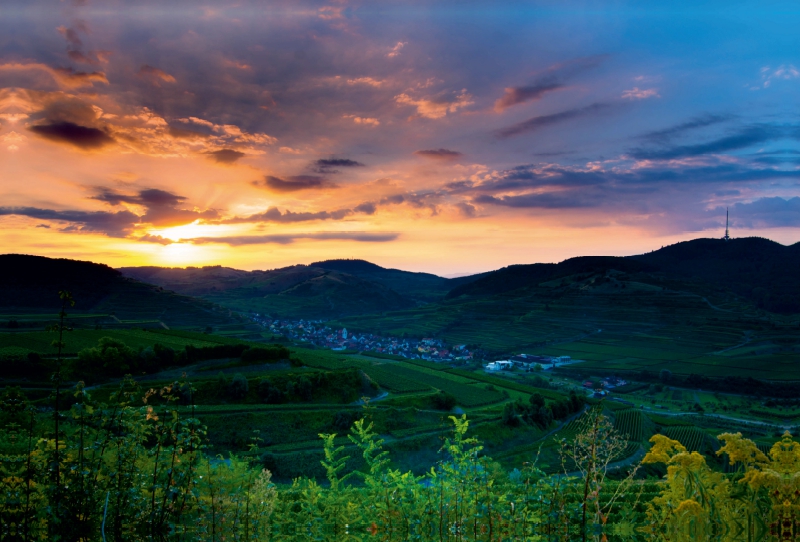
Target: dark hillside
(761,270)
(424,287)
(514,277)
(298,291)
(30,285)
(353,267)
(34,281)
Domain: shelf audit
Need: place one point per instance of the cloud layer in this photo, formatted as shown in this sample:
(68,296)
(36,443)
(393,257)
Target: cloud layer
(457,131)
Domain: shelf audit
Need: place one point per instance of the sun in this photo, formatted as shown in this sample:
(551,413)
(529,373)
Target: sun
(191,231)
(182,254)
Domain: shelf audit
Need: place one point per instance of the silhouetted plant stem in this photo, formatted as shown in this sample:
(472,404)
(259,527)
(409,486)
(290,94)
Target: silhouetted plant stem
(66,300)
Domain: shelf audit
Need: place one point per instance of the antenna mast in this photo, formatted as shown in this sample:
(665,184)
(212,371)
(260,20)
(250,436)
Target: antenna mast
(727,237)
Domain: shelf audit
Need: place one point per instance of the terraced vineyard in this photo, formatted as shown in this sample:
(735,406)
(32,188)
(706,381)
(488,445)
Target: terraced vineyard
(629,423)
(691,437)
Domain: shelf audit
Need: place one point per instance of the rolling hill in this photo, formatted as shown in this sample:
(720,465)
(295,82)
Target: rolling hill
(418,286)
(760,270)
(292,292)
(327,289)
(704,307)
(29,287)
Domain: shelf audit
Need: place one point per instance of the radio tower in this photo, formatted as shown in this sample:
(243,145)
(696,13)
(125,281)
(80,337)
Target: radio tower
(727,237)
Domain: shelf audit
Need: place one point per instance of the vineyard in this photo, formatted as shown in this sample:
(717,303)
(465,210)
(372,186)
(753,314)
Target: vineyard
(629,423)
(691,437)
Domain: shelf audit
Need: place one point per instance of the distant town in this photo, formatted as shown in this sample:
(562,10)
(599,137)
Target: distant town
(317,333)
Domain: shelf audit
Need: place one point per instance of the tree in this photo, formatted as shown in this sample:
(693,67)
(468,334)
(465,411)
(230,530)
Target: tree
(238,387)
(443,401)
(536,400)
(665,375)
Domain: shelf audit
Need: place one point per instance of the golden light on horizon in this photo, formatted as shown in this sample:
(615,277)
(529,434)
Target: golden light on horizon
(194,230)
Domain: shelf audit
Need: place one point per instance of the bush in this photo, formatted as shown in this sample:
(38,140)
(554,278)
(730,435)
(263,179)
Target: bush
(238,387)
(111,357)
(270,394)
(270,354)
(443,401)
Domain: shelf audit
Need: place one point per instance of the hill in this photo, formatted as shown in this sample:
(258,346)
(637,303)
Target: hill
(292,292)
(763,271)
(704,307)
(424,287)
(760,270)
(29,287)
(325,289)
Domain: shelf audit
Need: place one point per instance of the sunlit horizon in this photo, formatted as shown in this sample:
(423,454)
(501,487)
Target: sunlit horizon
(441,138)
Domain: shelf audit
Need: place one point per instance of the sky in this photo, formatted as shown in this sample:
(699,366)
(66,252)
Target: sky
(447,137)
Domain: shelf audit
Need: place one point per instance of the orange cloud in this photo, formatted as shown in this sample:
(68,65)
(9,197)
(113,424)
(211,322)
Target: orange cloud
(66,77)
(438,106)
(154,75)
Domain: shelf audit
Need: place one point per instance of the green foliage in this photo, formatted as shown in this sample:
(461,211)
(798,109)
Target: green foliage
(270,354)
(443,401)
(238,387)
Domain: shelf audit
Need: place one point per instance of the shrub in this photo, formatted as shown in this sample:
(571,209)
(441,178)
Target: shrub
(238,387)
(443,401)
(269,354)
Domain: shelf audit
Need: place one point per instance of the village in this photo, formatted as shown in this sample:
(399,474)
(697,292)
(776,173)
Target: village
(317,333)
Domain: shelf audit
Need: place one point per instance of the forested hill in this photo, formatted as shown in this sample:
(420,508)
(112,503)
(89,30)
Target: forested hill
(761,270)
(354,267)
(30,284)
(34,281)
(514,277)
(419,286)
(325,289)
(758,269)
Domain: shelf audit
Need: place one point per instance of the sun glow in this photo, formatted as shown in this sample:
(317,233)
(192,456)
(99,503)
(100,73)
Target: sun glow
(193,230)
(182,254)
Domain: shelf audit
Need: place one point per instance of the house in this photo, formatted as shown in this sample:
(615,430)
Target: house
(500,365)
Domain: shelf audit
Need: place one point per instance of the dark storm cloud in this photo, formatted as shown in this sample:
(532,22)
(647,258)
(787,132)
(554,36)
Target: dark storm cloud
(161,207)
(225,156)
(79,136)
(440,154)
(543,121)
(294,183)
(285,239)
(329,165)
(112,224)
(746,137)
